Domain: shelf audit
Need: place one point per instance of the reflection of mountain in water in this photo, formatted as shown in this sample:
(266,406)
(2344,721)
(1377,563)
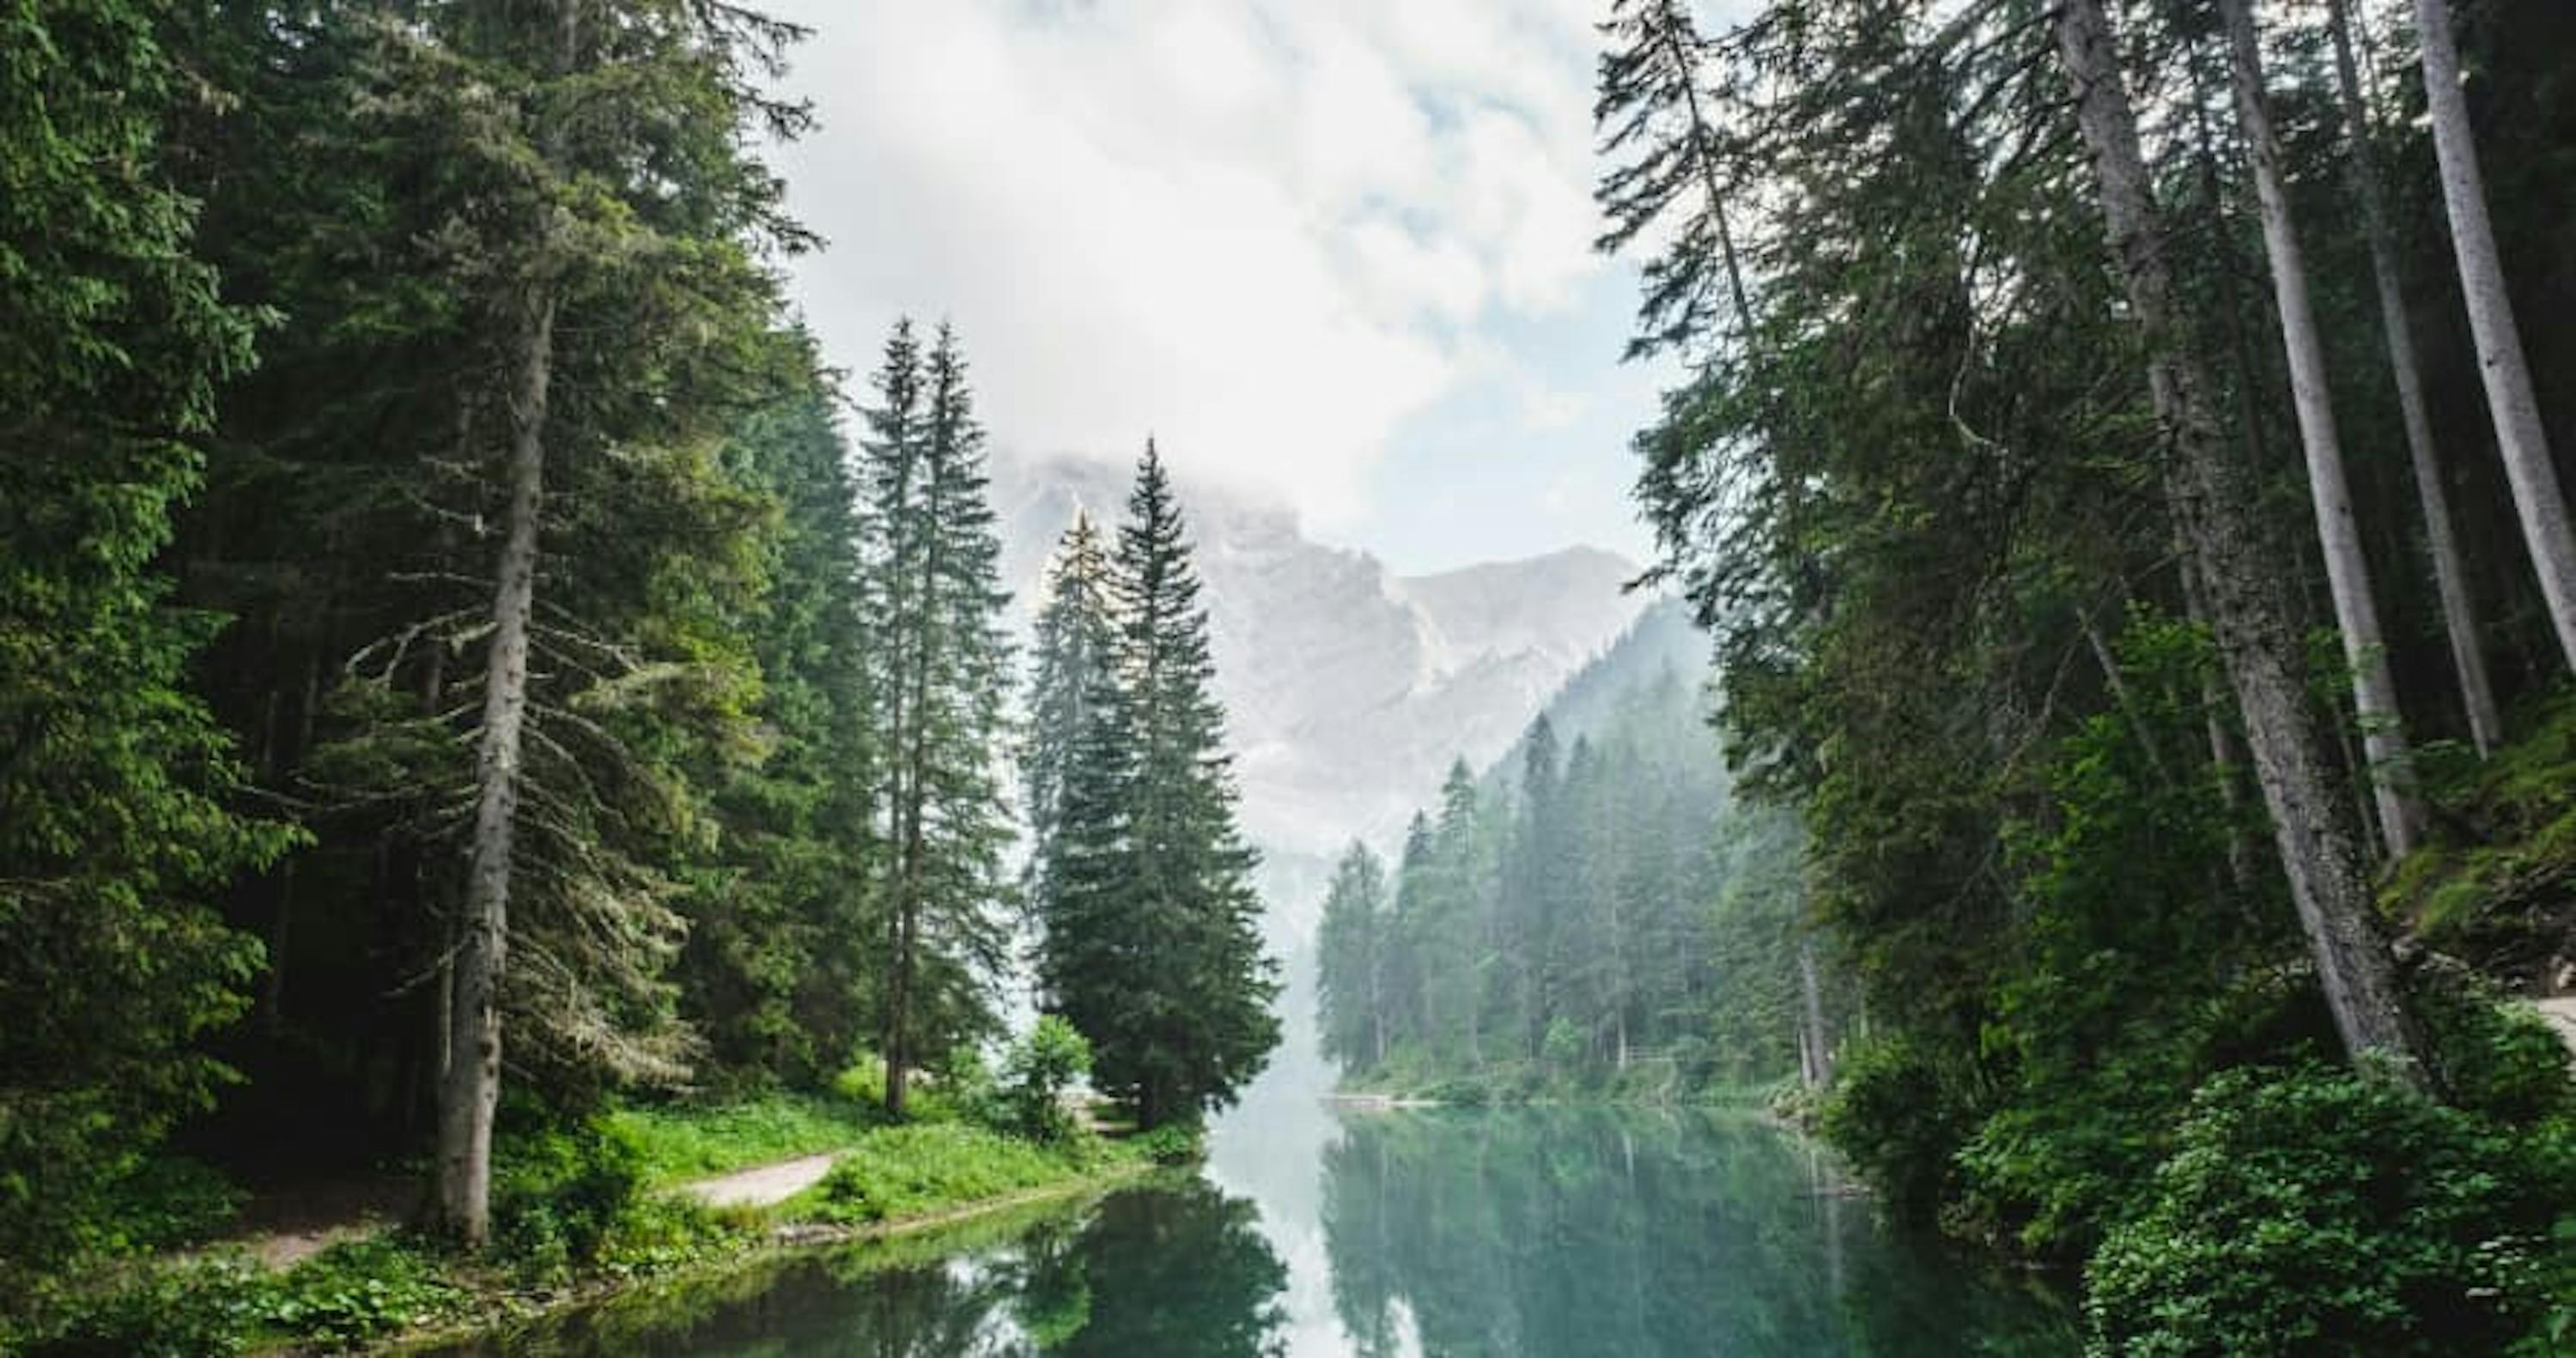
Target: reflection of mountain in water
(1348,689)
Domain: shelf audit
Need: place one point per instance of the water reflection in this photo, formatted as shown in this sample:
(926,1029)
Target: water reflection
(1567,1232)
(1176,1268)
(1541,1233)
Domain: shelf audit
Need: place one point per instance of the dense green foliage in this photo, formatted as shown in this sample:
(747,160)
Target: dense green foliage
(1150,930)
(2322,1211)
(1604,917)
(433,569)
(118,815)
(1946,477)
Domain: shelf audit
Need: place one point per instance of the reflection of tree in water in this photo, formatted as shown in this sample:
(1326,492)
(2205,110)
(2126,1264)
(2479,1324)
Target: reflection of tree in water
(1569,1231)
(1179,1270)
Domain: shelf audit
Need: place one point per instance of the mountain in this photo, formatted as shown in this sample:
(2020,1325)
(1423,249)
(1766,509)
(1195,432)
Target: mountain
(1349,689)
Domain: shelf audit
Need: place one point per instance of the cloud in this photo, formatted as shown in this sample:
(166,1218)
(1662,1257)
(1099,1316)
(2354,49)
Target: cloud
(1271,232)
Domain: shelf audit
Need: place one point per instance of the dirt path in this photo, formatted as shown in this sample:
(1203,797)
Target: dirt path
(761,1185)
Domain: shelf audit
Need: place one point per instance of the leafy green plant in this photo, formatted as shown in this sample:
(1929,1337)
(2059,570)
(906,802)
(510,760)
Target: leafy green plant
(1042,1067)
(558,1191)
(1172,1144)
(357,1291)
(2322,1210)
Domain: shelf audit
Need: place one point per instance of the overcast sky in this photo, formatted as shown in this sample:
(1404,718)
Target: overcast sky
(1338,250)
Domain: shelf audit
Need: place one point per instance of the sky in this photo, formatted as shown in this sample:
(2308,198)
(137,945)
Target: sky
(1337,252)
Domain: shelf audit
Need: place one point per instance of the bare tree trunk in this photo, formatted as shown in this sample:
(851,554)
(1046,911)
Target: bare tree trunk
(1811,1010)
(2365,646)
(471,1089)
(2441,538)
(2214,508)
(2519,436)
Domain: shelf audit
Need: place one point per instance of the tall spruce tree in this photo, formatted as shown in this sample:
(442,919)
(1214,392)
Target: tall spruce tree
(1075,649)
(1152,944)
(780,966)
(933,572)
(116,818)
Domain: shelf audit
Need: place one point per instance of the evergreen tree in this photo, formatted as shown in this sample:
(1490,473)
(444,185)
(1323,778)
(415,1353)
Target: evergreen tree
(780,967)
(1351,945)
(117,826)
(1075,650)
(1152,945)
(934,570)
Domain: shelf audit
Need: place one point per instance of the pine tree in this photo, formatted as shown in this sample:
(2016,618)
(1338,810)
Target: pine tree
(1351,962)
(933,571)
(780,963)
(2211,502)
(2521,437)
(2348,573)
(117,827)
(1075,648)
(1152,943)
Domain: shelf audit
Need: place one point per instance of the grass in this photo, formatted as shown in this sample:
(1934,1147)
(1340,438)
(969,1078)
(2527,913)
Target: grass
(921,1170)
(682,1142)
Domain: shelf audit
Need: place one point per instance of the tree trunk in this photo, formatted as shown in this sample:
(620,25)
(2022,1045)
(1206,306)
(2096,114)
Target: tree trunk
(2212,501)
(1819,1066)
(471,1089)
(2516,411)
(2441,539)
(2365,646)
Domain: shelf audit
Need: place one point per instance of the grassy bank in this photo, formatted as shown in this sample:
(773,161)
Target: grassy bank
(581,1213)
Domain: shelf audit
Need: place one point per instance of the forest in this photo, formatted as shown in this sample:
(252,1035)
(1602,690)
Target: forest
(494,724)
(482,704)
(2118,462)
(1595,917)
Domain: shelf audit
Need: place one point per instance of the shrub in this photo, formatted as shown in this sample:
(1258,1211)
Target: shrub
(2319,1210)
(1173,1144)
(558,1191)
(1042,1067)
(357,1291)
(1897,1121)
(183,1311)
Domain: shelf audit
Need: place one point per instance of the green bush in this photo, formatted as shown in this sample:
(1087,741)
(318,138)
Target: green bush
(1042,1066)
(557,1193)
(357,1291)
(185,1311)
(1173,1144)
(2323,1211)
(1894,1117)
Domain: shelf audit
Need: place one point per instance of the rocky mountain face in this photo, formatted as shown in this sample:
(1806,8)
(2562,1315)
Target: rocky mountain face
(1349,688)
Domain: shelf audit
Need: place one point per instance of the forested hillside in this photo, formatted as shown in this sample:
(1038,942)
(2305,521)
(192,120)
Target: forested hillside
(472,681)
(1597,914)
(2119,461)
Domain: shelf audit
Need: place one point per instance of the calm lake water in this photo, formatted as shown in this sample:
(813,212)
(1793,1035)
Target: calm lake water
(1536,1232)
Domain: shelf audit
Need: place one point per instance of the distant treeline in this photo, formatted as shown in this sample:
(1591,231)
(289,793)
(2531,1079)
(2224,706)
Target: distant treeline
(1603,915)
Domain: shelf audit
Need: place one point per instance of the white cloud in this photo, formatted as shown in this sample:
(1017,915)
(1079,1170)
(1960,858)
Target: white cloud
(1268,231)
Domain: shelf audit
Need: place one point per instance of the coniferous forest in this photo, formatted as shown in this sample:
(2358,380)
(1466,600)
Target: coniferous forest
(498,735)
(472,676)
(2119,464)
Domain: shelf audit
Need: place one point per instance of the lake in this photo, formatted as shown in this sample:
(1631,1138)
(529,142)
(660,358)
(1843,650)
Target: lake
(1320,1232)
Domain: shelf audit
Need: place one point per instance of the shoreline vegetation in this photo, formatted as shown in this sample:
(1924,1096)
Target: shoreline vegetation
(578,1227)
